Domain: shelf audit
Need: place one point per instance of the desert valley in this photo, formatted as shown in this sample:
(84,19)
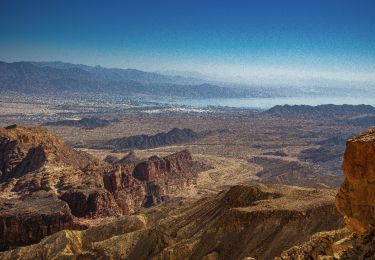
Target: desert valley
(148,180)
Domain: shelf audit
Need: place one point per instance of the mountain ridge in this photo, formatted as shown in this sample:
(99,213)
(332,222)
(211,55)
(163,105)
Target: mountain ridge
(59,77)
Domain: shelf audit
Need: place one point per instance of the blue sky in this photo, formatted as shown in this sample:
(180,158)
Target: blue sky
(330,42)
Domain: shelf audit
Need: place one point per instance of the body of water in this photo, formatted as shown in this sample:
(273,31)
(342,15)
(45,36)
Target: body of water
(265,103)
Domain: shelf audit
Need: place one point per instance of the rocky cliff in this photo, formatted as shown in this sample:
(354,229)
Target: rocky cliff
(356,198)
(24,150)
(356,202)
(29,219)
(47,186)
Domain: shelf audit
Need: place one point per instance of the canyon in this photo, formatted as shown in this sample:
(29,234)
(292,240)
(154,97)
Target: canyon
(48,186)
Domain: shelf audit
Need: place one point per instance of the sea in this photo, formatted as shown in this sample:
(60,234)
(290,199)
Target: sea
(266,102)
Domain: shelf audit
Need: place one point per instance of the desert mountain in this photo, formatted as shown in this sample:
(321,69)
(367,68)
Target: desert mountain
(47,186)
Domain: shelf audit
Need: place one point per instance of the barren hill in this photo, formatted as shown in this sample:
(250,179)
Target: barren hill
(174,136)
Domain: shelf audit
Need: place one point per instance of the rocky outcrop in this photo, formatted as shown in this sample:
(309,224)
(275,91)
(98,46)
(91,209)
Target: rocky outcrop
(24,150)
(318,245)
(168,167)
(356,198)
(128,192)
(67,243)
(335,245)
(167,175)
(146,183)
(256,221)
(86,203)
(29,219)
(33,161)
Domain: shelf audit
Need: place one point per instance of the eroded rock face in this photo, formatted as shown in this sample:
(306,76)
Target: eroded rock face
(28,220)
(86,203)
(156,167)
(356,198)
(174,169)
(23,150)
(33,161)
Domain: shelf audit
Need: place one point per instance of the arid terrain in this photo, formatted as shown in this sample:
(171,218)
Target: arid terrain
(174,182)
(256,145)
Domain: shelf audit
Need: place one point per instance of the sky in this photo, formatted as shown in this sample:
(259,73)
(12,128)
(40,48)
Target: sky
(263,42)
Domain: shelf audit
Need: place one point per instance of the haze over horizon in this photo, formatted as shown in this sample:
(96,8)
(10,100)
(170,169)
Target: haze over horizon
(307,43)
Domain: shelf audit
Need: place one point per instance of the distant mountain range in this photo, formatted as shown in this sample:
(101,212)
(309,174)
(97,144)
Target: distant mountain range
(59,77)
(325,111)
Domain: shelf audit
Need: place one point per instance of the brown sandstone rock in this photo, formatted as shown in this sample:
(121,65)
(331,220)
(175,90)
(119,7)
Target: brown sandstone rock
(94,203)
(28,220)
(356,198)
(169,166)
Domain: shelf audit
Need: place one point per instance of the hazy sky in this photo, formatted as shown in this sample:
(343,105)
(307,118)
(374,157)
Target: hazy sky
(328,42)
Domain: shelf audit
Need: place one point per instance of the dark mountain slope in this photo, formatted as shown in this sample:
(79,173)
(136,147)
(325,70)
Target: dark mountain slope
(174,136)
